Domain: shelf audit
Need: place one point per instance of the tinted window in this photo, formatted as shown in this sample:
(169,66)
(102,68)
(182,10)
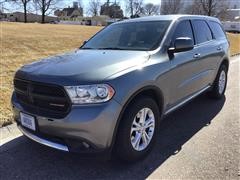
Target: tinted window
(183,29)
(217,30)
(130,36)
(201,31)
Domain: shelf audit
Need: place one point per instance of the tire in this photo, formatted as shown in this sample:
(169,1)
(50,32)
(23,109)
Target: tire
(220,83)
(128,134)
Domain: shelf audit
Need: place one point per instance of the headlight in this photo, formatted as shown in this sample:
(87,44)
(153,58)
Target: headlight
(86,94)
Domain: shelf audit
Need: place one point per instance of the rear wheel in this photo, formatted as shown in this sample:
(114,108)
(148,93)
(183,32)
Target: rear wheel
(220,83)
(137,129)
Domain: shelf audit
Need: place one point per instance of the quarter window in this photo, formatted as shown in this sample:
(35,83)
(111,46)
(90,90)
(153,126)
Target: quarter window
(201,31)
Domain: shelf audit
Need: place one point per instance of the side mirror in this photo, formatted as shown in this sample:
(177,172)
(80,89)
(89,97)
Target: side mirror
(182,44)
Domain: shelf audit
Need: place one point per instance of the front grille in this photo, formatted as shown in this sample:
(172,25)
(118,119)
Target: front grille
(42,99)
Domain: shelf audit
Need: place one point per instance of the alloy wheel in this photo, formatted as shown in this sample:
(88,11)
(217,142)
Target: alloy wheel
(142,129)
(222,82)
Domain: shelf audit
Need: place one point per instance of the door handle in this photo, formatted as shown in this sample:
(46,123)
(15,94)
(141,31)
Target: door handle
(197,55)
(219,48)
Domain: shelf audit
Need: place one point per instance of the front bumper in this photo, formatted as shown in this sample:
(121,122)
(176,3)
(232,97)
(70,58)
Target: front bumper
(43,141)
(87,128)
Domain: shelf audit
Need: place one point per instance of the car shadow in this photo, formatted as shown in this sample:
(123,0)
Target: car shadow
(21,158)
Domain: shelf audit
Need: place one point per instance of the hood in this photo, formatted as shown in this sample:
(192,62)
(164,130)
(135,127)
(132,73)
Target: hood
(82,66)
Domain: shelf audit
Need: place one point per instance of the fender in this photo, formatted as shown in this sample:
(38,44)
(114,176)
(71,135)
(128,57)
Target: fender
(160,102)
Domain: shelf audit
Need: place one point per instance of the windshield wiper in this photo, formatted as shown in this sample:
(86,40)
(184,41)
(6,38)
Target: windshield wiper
(111,48)
(86,48)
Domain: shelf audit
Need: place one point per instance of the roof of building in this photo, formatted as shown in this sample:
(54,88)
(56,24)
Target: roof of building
(69,10)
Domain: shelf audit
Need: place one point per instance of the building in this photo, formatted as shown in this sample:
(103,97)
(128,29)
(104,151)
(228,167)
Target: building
(70,12)
(3,16)
(89,21)
(19,17)
(113,10)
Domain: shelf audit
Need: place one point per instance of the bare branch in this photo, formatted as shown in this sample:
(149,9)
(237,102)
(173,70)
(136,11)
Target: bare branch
(94,7)
(134,7)
(24,4)
(151,9)
(171,6)
(216,8)
(46,7)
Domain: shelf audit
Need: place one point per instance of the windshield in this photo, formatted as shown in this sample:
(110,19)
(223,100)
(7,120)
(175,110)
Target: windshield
(143,36)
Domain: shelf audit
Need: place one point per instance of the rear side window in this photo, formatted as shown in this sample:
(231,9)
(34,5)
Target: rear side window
(183,29)
(201,31)
(217,30)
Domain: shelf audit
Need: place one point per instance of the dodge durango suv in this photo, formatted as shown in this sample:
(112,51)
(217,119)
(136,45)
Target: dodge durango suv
(109,96)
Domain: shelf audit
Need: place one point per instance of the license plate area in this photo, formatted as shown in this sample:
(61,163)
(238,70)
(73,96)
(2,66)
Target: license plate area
(28,121)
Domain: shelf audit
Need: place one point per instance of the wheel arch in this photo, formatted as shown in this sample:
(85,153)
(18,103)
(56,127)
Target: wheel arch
(151,91)
(225,62)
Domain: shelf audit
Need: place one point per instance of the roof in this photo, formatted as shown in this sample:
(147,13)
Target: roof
(168,18)
(69,10)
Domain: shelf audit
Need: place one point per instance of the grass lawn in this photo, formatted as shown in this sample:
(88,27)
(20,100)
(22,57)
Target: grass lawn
(24,43)
(234,43)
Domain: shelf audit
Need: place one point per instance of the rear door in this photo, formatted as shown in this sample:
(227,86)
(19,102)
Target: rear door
(207,51)
(220,45)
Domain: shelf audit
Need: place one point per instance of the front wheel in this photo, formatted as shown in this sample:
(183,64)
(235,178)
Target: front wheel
(220,83)
(137,129)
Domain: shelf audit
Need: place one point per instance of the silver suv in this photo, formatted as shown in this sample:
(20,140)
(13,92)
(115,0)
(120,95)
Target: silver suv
(110,95)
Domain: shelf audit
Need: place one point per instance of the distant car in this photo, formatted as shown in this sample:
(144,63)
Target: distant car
(110,95)
(232,27)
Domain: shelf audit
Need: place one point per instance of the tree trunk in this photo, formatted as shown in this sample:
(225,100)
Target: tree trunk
(43,17)
(25,13)
(210,8)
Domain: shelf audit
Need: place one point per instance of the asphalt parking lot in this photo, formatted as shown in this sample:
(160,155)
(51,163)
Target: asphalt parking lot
(199,141)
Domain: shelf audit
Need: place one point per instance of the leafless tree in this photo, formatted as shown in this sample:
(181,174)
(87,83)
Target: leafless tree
(134,7)
(194,8)
(213,7)
(171,6)
(46,6)
(2,5)
(94,7)
(2,1)
(24,4)
(151,9)
(35,7)
(216,8)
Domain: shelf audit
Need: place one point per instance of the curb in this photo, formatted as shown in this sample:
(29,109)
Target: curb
(9,133)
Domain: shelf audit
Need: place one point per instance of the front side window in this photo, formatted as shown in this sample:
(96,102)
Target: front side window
(143,36)
(183,29)
(201,31)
